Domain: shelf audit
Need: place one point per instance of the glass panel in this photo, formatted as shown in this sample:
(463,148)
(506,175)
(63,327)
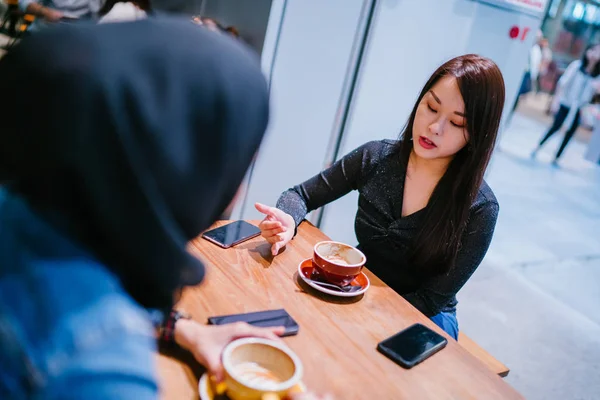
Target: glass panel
(568,10)
(553,8)
(578,11)
(591,13)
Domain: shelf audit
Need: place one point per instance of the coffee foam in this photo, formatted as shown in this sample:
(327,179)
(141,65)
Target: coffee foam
(256,375)
(339,254)
(338,259)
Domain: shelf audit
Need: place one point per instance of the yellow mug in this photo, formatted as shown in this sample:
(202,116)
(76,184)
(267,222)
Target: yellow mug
(260,369)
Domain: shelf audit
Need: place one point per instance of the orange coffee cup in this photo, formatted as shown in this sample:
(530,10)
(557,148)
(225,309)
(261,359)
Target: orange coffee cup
(337,262)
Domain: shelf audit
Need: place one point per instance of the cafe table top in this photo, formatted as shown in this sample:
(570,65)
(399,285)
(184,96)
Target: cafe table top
(338,337)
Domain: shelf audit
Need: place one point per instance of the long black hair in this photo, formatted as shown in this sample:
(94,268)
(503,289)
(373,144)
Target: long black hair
(481,85)
(585,62)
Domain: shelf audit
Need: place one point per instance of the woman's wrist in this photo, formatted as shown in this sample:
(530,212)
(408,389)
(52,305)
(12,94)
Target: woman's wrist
(186,333)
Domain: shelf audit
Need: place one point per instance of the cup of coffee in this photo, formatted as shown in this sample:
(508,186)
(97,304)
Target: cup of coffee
(260,369)
(337,262)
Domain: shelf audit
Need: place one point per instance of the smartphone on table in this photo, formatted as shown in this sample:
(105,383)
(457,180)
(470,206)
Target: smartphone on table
(231,234)
(263,319)
(413,345)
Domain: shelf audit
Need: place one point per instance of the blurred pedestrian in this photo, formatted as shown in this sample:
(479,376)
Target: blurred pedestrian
(575,89)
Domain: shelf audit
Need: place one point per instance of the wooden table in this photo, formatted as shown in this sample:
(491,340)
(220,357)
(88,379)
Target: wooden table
(337,339)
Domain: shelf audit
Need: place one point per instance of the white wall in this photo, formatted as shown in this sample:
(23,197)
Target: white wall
(309,74)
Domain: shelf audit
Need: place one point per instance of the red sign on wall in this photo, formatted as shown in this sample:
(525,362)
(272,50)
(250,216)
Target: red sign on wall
(518,33)
(532,7)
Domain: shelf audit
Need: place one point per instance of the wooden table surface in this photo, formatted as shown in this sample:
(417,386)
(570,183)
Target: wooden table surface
(337,339)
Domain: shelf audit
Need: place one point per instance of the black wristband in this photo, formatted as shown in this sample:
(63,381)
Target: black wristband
(167,332)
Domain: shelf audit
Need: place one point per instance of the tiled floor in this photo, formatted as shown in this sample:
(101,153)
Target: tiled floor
(535,302)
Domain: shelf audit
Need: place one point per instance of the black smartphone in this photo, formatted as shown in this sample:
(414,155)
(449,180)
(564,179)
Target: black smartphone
(271,318)
(412,345)
(231,234)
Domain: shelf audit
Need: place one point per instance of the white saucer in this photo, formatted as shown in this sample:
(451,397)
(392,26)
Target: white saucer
(305,269)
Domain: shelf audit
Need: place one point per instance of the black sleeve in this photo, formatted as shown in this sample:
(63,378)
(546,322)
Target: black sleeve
(336,181)
(431,298)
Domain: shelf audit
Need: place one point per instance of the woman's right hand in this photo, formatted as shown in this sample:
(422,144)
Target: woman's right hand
(207,342)
(277,228)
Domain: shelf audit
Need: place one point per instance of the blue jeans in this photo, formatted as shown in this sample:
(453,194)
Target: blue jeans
(448,322)
(68,330)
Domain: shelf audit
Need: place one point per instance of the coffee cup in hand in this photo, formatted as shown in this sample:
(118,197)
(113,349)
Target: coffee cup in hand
(260,369)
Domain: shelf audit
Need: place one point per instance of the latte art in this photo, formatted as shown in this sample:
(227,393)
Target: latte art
(256,375)
(339,260)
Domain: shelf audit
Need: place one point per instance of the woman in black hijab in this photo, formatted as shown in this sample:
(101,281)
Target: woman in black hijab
(119,144)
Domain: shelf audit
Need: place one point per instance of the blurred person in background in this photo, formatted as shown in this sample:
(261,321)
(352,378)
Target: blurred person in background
(576,88)
(540,58)
(53,11)
(103,186)
(535,62)
(546,59)
(208,23)
(531,77)
(124,10)
(215,26)
(425,215)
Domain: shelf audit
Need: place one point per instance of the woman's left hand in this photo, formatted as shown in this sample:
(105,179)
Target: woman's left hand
(206,342)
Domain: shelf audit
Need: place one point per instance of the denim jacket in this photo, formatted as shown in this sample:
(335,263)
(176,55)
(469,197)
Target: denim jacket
(68,330)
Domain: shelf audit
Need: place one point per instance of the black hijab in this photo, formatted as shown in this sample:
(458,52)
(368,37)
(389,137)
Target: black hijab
(132,138)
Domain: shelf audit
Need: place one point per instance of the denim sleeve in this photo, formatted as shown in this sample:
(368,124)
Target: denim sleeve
(106,353)
(123,370)
(68,329)
(111,357)
(157,317)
